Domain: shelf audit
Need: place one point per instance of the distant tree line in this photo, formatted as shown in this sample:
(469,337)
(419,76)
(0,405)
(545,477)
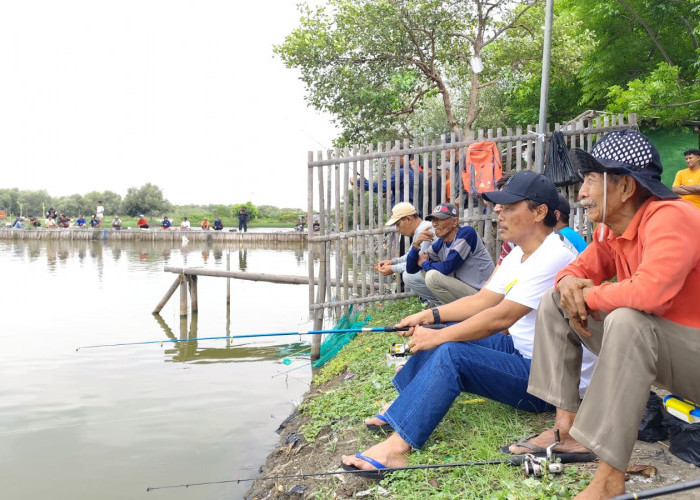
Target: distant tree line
(147,199)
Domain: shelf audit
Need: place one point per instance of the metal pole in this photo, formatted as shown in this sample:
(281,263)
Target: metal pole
(544,85)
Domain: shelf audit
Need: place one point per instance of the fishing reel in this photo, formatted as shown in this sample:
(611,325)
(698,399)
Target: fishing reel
(539,466)
(398,354)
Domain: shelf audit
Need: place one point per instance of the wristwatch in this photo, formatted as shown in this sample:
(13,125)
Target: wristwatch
(436,315)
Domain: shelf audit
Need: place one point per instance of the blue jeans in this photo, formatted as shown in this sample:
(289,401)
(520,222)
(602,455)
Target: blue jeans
(431,380)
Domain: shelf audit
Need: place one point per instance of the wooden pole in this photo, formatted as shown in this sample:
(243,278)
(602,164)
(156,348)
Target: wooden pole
(193,292)
(167,296)
(183,295)
(228,280)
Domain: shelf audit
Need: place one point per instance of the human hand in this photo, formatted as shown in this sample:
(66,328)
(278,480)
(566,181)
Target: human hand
(419,318)
(423,339)
(573,291)
(384,267)
(422,257)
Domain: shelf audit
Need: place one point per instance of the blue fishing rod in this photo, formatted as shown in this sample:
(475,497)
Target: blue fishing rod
(388,329)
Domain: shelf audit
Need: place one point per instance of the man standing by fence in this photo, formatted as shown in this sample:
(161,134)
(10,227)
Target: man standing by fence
(243,219)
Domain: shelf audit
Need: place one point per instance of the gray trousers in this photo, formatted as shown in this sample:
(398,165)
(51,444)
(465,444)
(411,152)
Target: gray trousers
(634,350)
(447,288)
(416,283)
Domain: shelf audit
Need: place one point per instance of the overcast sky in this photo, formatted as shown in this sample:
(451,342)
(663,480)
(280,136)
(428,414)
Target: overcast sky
(102,95)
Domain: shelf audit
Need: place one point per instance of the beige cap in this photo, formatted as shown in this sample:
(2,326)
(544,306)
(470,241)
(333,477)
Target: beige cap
(399,211)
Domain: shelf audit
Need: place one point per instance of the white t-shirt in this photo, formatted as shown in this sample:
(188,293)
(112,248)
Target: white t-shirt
(185,224)
(100,212)
(526,282)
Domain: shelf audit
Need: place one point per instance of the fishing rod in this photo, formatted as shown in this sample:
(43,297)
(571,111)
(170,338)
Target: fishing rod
(516,460)
(661,491)
(248,336)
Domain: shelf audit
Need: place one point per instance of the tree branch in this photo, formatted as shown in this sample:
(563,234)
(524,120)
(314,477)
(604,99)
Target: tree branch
(675,104)
(648,29)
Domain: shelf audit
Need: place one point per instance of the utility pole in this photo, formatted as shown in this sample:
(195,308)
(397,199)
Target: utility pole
(544,85)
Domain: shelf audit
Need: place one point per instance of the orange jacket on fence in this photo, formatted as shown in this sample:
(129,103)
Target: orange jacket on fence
(656,261)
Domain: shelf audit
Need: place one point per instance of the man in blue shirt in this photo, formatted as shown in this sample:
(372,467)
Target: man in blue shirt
(80,221)
(457,264)
(562,227)
(166,223)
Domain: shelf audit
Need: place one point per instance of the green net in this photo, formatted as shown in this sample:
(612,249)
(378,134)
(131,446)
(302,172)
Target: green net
(334,342)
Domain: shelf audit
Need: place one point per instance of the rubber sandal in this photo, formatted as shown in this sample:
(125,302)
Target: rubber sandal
(377,473)
(376,427)
(524,444)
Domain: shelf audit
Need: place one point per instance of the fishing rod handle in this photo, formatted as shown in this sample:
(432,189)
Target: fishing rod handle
(437,326)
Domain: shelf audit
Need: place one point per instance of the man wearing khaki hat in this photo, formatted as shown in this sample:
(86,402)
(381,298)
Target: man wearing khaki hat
(405,217)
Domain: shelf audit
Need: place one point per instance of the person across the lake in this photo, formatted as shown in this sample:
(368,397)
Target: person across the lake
(643,325)
(99,213)
(218,225)
(205,224)
(404,217)
(243,216)
(116,223)
(457,263)
(80,221)
(472,354)
(165,223)
(185,224)
(142,223)
(94,223)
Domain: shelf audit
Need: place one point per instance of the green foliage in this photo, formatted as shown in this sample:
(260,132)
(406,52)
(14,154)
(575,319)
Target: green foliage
(252,210)
(147,199)
(372,64)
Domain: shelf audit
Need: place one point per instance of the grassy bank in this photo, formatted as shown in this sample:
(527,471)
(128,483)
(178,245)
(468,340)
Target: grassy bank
(357,383)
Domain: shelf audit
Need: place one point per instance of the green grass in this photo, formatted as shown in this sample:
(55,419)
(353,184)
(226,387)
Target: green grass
(472,430)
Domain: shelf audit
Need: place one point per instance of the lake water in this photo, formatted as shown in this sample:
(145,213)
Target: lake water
(106,423)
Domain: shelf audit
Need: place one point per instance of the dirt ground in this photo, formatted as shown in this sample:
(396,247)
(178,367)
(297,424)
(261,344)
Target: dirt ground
(294,456)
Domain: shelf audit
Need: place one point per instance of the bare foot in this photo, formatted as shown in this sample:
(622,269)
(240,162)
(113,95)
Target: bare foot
(392,452)
(607,482)
(567,444)
(376,421)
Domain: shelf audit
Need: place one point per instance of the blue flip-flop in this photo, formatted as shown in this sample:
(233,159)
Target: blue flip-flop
(377,473)
(375,427)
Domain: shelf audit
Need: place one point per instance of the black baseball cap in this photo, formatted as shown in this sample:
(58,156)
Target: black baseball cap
(526,185)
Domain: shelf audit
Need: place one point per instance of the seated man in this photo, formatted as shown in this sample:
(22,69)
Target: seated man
(94,222)
(644,326)
(165,223)
(116,223)
(218,225)
(472,355)
(562,212)
(185,224)
(405,217)
(80,221)
(205,224)
(457,264)
(142,222)
(62,221)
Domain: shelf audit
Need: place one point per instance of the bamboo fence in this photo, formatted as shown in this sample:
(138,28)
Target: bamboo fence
(352,236)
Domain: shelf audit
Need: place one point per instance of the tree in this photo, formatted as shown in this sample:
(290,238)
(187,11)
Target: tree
(645,59)
(372,63)
(253,212)
(147,199)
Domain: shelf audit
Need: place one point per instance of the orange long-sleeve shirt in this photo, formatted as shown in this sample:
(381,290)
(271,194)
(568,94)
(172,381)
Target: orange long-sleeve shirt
(656,261)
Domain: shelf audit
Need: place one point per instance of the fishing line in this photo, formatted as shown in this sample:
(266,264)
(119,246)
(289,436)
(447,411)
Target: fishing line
(661,491)
(510,461)
(232,337)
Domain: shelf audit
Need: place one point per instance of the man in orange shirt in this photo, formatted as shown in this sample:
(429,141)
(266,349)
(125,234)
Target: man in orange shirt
(687,182)
(644,326)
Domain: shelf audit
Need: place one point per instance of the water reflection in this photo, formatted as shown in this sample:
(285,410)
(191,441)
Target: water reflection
(187,346)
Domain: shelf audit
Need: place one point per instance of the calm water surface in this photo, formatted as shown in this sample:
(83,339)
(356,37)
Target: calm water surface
(107,423)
